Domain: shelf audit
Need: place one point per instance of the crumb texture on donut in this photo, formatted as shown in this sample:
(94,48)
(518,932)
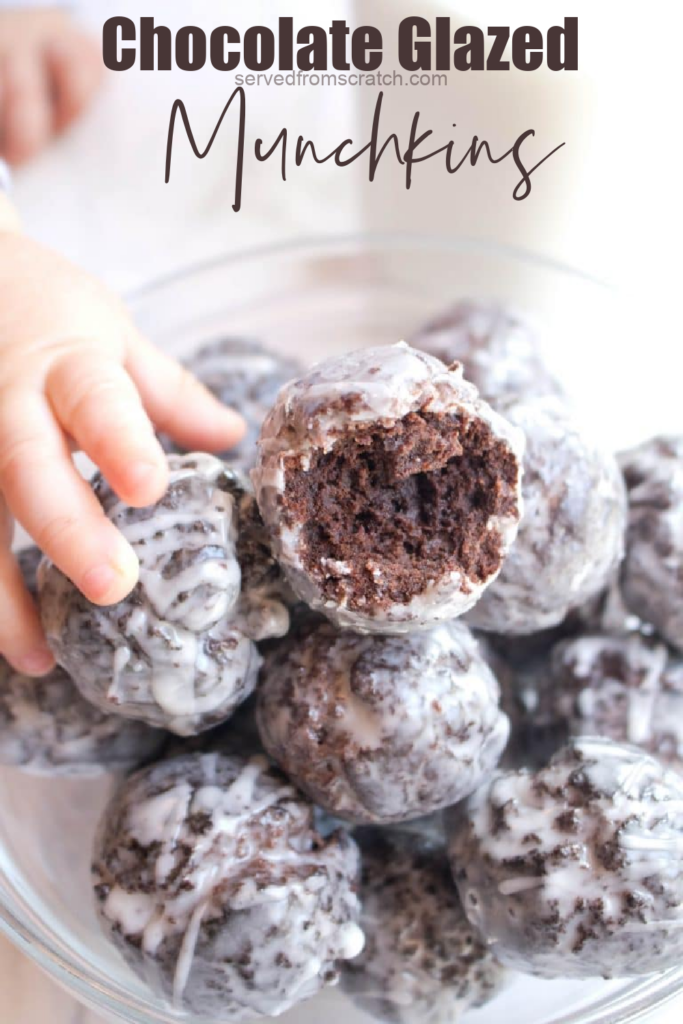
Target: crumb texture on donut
(652,573)
(571,538)
(392,493)
(179,651)
(499,347)
(628,688)
(576,871)
(423,962)
(379,508)
(213,883)
(48,728)
(380,729)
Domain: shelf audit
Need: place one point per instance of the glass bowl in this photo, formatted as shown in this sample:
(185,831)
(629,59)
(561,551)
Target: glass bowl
(313,299)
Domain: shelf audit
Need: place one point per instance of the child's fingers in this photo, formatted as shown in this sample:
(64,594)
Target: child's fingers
(27,109)
(76,69)
(21,636)
(97,404)
(56,506)
(178,404)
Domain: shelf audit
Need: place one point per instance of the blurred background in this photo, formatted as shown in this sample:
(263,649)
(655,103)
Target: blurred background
(607,203)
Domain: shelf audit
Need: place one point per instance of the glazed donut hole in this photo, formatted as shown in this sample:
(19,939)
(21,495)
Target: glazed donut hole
(572,871)
(391,492)
(180,651)
(212,881)
(382,729)
(48,728)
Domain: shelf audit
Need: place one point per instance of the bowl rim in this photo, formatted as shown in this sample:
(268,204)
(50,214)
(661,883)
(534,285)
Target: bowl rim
(23,927)
(68,968)
(637,999)
(368,239)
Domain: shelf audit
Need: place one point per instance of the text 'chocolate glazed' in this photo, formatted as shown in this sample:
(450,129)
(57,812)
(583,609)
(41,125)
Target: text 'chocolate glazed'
(391,491)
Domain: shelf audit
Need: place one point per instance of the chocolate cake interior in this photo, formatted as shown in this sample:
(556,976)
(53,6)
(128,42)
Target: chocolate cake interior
(388,510)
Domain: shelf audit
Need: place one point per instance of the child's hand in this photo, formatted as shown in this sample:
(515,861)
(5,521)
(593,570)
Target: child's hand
(74,372)
(49,71)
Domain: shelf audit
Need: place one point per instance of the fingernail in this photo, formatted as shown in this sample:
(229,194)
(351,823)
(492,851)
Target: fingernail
(234,424)
(236,419)
(142,474)
(110,582)
(99,581)
(37,662)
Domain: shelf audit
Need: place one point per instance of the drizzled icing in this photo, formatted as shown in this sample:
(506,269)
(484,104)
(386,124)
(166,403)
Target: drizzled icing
(577,870)
(652,575)
(210,878)
(627,688)
(317,412)
(379,729)
(47,728)
(498,346)
(179,650)
(423,963)
(571,539)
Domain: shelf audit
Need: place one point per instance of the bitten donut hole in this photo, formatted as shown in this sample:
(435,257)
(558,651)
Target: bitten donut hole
(388,510)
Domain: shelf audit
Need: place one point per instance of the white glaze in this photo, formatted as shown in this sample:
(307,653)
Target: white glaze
(385,385)
(254,826)
(625,687)
(179,652)
(498,346)
(652,576)
(625,844)
(410,724)
(423,963)
(47,728)
(571,539)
